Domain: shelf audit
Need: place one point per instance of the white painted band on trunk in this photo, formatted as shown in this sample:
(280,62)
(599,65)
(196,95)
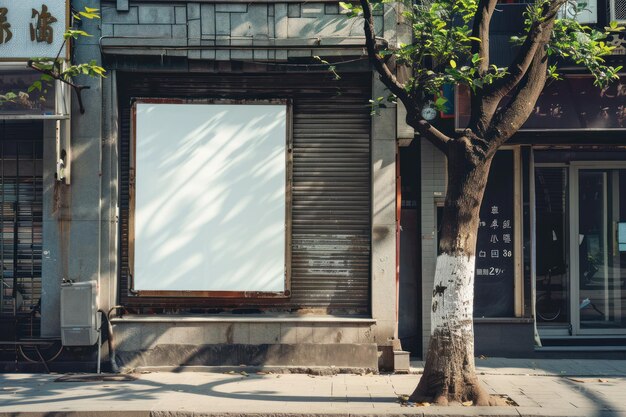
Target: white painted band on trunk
(453,294)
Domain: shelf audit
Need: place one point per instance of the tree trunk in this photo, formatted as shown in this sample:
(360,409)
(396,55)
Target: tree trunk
(449,373)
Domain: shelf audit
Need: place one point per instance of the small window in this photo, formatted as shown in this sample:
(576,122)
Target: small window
(209,198)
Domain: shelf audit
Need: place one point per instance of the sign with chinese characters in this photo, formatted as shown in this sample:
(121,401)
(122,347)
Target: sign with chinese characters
(571,103)
(495,266)
(32,29)
(618,42)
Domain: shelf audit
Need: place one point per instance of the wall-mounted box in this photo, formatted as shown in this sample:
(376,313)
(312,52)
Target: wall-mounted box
(80,319)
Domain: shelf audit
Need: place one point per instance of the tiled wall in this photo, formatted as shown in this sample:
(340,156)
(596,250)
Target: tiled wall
(433,188)
(245,31)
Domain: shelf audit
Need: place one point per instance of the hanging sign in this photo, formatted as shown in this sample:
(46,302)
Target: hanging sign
(573,103)
(32,28)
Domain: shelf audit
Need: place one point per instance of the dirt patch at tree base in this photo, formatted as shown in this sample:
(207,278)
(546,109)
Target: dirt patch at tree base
(495,400)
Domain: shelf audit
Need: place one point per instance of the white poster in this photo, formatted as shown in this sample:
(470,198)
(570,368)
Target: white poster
(210,197)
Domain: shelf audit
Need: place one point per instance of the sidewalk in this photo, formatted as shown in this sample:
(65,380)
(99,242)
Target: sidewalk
(539,387)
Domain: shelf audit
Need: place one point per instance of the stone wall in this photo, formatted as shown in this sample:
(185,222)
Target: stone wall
(237,31)
(252,341)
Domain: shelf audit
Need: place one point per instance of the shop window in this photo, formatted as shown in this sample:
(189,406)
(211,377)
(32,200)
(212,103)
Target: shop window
(209,198)
(496,273)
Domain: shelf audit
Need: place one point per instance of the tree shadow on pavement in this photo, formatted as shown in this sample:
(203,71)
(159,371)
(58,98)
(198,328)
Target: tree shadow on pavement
(43,390)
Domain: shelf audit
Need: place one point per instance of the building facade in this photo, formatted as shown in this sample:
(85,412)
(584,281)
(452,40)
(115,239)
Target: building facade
(550,262)
(232,201)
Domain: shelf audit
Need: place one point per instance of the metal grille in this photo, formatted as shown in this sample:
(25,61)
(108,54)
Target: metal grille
(331,182)
(21,210)
(330,212)
(618,10)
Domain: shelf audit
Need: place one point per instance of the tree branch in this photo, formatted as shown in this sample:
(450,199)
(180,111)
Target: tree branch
(431,133)
(482,110)
(515,113)
(537,37)
(78,89)
(480,30)
(438,139)
(386,76)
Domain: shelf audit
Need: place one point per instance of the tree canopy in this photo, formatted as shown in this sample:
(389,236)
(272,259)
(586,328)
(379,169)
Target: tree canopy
(451,46)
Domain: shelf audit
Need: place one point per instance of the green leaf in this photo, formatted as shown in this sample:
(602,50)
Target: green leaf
(346,6)
(72,33)
(453,63)
(35,86)
(10,96)
(89,15)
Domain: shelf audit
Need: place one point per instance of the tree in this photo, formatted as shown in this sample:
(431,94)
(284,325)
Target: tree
(451,46)
(52,69)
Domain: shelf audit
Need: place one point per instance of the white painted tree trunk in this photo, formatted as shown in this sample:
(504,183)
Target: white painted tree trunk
(453,294)
(450,374)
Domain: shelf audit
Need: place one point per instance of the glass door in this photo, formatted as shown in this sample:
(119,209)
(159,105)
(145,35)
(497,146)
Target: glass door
(552,256)
(598,214)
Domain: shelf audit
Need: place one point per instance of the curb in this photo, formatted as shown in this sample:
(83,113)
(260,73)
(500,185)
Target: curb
(410,412)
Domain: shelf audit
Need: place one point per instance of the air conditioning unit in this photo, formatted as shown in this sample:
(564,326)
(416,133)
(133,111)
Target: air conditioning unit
(618,10)
(80,320)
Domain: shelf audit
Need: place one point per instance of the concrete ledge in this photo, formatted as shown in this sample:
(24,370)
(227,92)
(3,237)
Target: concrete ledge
(511,338)
(242,370)
(362,356)
(239,318)
(513,320)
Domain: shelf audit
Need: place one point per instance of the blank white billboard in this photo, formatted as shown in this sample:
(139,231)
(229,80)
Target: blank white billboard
(210,197)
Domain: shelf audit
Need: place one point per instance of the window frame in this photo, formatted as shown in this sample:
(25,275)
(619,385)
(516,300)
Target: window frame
(229,1)
(215,294)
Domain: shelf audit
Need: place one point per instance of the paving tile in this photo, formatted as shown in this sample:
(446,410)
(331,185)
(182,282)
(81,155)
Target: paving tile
(220,394)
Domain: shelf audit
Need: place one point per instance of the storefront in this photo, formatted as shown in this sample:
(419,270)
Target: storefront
(34,148)
(576,197)
(256,193)
(580,262)
(551,259)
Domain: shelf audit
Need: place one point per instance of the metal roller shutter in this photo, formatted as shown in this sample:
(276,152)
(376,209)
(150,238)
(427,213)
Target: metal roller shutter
(21,214)
(330,206)
(330,220)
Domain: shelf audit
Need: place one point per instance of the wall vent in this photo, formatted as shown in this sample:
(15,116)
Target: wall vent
(618,10)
